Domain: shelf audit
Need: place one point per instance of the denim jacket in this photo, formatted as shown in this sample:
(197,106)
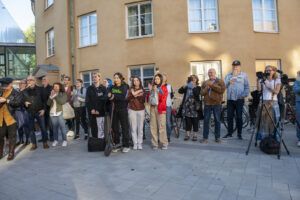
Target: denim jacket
(297,90)
(240,89)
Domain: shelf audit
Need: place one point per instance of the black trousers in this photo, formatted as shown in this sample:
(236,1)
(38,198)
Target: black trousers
(94,126)
(10,131)
(70,124)
(192,122)
(235,109)
(80,119)
(121,118)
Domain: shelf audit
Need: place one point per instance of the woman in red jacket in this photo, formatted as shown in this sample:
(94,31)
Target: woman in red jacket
(158,107)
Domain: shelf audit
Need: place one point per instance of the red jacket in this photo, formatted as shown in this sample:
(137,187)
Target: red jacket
(162,99)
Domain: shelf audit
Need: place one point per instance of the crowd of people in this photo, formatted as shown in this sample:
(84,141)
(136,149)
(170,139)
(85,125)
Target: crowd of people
(29,106)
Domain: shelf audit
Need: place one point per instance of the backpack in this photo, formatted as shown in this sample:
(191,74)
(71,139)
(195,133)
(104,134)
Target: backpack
(269,145)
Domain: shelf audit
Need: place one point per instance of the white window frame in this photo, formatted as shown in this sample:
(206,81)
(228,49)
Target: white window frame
(90,73)
(263,18)
(193,63)
(89,30)
(142,77)
(47,4)
(139,20)
(50,45)
(203,18)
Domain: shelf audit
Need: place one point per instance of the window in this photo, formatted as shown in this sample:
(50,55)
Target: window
(203,16)
(88,30)
(201,69)
(265,15)
(144,72)
(261,64)
(87,78)
(48,3)
(50,42)
(139,20)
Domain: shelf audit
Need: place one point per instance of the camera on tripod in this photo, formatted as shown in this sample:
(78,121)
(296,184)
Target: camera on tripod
(262,75)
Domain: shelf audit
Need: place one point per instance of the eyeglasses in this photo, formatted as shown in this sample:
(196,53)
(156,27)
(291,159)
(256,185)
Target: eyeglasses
(30,80)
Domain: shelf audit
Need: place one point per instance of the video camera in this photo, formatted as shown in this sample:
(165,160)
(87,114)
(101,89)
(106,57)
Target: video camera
(262,75)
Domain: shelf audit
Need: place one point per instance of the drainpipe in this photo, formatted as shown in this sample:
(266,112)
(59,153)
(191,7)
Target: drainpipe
(33,6)
(72,38)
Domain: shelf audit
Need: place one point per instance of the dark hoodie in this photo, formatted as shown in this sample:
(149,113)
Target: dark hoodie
(96,98)
(120,96)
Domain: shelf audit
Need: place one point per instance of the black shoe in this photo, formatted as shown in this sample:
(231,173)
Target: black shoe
(228,136)
(40,140)
(85,137)
(76,137)
(169,140)
(240,137)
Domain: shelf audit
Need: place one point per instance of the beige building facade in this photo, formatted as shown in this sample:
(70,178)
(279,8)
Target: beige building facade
(178,38)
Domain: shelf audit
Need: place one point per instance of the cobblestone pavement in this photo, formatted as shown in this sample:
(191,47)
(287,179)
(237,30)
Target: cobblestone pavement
(187,170)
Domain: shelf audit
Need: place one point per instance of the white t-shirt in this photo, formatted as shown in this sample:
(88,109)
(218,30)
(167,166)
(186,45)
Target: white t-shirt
(267,94)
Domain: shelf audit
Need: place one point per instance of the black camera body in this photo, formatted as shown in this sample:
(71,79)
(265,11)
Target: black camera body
(261,75)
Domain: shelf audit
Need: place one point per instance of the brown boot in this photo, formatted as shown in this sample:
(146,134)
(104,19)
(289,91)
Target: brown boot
(33,147)
(11,154)
(45,145)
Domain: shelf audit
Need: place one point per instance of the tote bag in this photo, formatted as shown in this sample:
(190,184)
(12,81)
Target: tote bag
(68,111)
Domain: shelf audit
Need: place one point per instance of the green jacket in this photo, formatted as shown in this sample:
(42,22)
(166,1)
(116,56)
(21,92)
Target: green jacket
(60,99)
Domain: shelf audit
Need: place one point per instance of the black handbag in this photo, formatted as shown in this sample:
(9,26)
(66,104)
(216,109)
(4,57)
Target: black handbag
(269,145)
(96,144)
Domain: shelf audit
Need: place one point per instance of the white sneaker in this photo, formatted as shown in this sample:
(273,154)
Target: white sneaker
(54,144)
(70,133)
(140,147)
(65,143)
(164,147)
(126,150)
(298,144)
(116,150)
(135,147)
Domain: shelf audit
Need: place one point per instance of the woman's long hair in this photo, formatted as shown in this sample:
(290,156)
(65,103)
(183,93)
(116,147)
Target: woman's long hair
(121,77)
(132,82)
(273,68)
(61,88)
(161,79)
(191,77)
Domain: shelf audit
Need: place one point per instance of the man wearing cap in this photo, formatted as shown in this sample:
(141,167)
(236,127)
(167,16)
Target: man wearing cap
(36,109)
(9,101)
(237,85)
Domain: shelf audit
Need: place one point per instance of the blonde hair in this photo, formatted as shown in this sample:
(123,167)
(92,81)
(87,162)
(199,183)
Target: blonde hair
(273,68)
(97,74)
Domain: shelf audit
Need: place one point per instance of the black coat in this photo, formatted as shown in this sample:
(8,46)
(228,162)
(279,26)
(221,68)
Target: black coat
(96,98)
(35,97)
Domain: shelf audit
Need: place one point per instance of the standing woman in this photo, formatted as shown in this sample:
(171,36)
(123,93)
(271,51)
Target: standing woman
(57,99)
(158,110)
(136,111)
(169,106)
(118,96)
(271,88)
(191,106)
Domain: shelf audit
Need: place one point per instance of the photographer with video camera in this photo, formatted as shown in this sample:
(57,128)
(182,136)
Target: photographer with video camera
(297,94)
(271,83)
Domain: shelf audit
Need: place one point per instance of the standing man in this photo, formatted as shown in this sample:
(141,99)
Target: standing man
(9,101)
(212,90)
(36,111)
(297,94)
(79,94)
(237,85)
(69,90)
(46,91)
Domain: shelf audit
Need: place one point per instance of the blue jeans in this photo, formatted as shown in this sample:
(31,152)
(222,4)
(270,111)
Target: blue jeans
(216,110)
(59,124)
(169,122)
(298,119)
(41,122)
(235,109)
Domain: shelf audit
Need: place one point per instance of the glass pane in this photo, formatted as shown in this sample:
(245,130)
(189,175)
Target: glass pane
(145,8)
(132,10)
(270,15)
(133,31)
(94,39)
(135,72)
(84,32)
(133,20)
(257,15)
(258,25)
(1,59)
(93,30)
(195,26)
(93,19)
(146,19)
(83,21)
(209,3)
(195,15)
(84,41)
(269,4)
(194,4)
(210,25)
(270,26)
(146,29)
(257,4)
(148,72)
(210,14)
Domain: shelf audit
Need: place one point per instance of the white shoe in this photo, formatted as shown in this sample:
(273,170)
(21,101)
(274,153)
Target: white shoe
(164,147)
(65,143)
(70,133)
(298,144)
(126,150)
(54,143)
(116,150)
(140,147)
(135,147)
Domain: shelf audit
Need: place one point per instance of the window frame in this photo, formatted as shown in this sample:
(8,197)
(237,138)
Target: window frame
(90,73)
(205,73)
(263,18)
(202,18)
(51,49)
(139,20)
(47,5)
(89,32)
(141,68)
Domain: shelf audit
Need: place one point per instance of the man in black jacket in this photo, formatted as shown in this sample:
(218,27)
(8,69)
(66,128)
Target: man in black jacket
(96,102)
(10,99)
(36,110)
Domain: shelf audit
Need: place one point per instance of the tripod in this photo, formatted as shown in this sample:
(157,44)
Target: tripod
(278,131)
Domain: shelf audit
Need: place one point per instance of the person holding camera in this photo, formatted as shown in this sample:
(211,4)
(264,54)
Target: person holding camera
(10,99)
(191,106)
(297,94)
(271,87)
(212,90)
(237,85)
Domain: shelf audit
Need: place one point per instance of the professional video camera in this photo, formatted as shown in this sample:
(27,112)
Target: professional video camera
(262,75)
